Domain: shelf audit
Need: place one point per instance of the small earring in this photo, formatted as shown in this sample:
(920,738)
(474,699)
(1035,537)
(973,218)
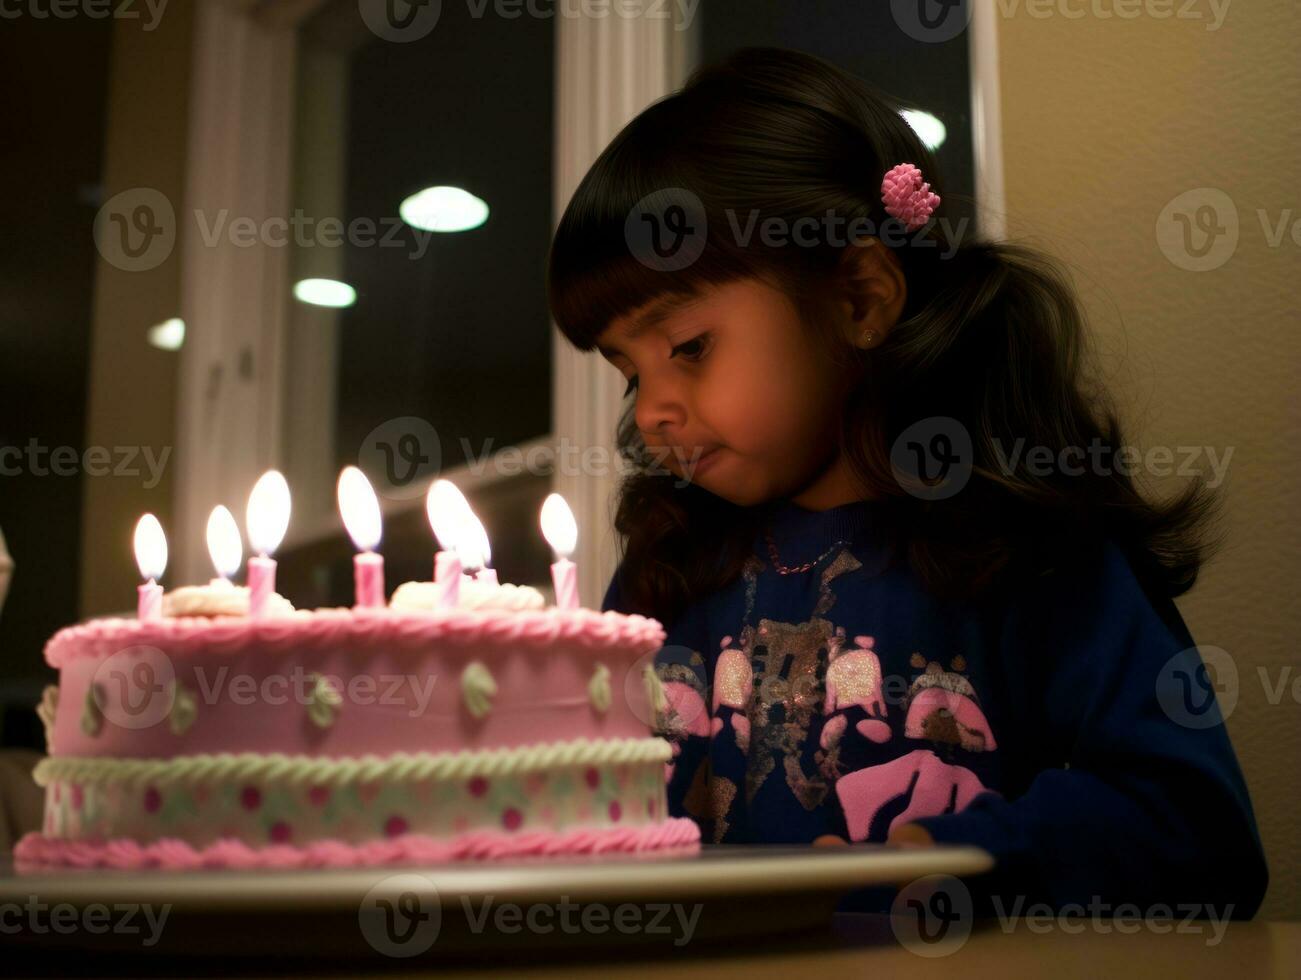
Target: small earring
(869,338)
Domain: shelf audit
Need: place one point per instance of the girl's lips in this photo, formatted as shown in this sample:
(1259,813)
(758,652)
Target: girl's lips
(703,463)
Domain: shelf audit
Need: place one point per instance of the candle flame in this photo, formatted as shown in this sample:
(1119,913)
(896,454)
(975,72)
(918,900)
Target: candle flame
(224,544)
(359,508)
(150,547)
(451,518)
(558,525)
(267,516)
(474,548)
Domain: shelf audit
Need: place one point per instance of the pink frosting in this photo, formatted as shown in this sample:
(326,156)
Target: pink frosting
(35,851)
(541,663)
(392,701)
(399,675)
(304,632)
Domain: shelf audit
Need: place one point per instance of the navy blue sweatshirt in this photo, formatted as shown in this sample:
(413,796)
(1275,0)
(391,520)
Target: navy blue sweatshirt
(1065,726)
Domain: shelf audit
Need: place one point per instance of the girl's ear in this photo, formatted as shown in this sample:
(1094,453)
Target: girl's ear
(872,280)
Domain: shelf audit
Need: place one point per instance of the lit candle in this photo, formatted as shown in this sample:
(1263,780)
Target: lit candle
(151,557)
(561,532)
(486,573)
(360,510)
(446,508)
(266,520)
(224,545)
(474,549)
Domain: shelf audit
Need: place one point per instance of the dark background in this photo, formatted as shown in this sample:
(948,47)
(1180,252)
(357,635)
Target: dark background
(51,148)
(460,337)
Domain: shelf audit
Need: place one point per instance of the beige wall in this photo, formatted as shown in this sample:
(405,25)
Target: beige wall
(1106,121)
(132,399)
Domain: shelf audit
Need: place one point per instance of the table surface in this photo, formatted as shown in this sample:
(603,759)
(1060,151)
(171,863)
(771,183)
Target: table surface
(299,912)
(862,946)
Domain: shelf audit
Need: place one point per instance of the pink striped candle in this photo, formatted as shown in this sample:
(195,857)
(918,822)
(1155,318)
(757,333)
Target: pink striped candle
(150,604)
(447,578)
(368,579)
(564,576)
(261,584)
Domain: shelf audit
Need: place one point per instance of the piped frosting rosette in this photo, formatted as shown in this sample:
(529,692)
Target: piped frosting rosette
(423,596)
(218,599)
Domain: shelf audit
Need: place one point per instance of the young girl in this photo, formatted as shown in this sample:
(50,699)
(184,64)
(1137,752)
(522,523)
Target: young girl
(912,593)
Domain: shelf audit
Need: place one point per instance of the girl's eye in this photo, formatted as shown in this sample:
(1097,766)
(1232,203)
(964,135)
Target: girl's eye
(693,350)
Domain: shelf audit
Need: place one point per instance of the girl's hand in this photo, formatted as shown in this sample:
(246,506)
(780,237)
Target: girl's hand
(910,835)
(830,840)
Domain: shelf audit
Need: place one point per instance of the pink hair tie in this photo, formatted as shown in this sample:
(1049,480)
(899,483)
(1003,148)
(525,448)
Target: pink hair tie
(907,197)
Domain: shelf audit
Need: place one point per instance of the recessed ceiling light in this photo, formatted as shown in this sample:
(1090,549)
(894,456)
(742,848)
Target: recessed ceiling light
(168,335)
(929,128)
(443,209)
(325,292)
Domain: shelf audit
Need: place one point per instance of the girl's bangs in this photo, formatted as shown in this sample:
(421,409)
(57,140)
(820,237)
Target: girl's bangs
(595,276)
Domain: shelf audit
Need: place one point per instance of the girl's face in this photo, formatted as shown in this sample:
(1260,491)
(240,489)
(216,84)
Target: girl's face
(732,394)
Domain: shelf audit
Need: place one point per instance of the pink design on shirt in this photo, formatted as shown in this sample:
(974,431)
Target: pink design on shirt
(935,787)
(832,731)
(874,730)
(948,716)
(854,677)
(689,707)
(733,680)
(741,724)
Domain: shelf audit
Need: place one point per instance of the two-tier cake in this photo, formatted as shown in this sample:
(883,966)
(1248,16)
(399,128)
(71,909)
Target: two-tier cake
(201,738)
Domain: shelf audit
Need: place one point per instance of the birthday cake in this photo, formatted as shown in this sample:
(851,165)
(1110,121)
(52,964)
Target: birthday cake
(201,737)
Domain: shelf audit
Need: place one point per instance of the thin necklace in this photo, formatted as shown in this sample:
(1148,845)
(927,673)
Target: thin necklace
(794,569)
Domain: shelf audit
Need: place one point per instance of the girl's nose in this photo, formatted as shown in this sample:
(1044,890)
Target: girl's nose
(659,407)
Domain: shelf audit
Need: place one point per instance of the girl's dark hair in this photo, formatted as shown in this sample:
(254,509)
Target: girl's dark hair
(991,336)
